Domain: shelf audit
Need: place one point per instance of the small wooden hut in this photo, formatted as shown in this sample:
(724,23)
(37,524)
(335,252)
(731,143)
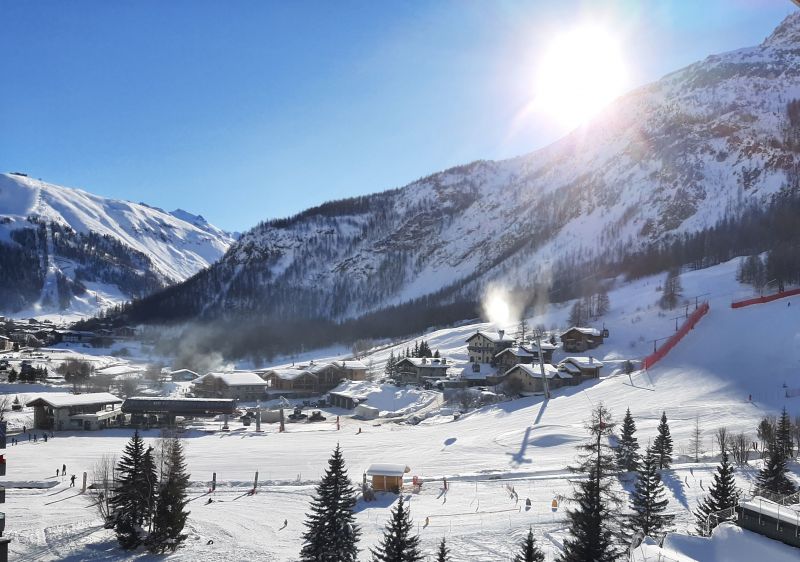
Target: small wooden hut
(387,477)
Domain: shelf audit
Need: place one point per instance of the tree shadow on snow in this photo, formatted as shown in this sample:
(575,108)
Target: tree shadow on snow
(675,486)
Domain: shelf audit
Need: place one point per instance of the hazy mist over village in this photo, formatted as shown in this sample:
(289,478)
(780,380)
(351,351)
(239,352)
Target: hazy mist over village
(400,282)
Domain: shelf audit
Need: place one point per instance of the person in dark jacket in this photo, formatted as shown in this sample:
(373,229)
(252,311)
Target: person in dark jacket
(72,481)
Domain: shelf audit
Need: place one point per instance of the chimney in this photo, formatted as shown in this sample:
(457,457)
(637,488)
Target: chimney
(502,333)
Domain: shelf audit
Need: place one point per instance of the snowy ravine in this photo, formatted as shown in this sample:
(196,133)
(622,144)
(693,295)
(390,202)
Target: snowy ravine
(114,249)
(672,157)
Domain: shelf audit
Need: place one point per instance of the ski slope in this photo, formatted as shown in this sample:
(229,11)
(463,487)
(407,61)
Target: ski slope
(525,443)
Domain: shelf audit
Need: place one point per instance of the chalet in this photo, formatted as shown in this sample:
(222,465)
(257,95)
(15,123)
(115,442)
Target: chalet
(528,378)
(418,370)
(313,378)
(60,411)
(290,380)
(353,370)
(581,339)
(5,343)
(74,336)
(484,346)
(386,477)
(583,368)
(240,385)
(477,374)
(183,375)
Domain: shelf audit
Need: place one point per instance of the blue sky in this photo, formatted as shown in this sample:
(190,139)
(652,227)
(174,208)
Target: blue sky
(248,110)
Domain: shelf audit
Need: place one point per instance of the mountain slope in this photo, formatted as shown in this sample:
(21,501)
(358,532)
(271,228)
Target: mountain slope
(64,240)
(672,158)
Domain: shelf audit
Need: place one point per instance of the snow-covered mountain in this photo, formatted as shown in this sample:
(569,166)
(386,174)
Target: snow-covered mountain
(674,157)
(66,249)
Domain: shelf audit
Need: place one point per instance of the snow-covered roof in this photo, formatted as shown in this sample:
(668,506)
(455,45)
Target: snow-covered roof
(495,337)
(352,364)
(236,378)
(786,513)
(290,374)
(582,362)
(183,372)
(386,469)
(63,399)
(535,371)
(588,331)
(546,345)
(485,370)
(517,351)
(426,362)
(115,370)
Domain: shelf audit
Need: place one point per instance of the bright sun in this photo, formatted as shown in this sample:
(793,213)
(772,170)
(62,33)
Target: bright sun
(582,71)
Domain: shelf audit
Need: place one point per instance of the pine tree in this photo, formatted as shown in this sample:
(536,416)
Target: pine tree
(170,518)
(443,554)
(772,476)
(132,501)
(399,544)
(591,538)
(649,500)
(662,445)
(603,302)
(672,291)
(783,435)
(592,525)
(627,451)
(529,550)
(721,495)
(389,370)
(331,530)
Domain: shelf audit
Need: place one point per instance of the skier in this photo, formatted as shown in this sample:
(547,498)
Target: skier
(35,438)
(45,437)
(72,481)
(444,482)
(56,473)
(64,469)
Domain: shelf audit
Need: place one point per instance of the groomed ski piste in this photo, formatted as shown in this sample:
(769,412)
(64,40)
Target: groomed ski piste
(731,370)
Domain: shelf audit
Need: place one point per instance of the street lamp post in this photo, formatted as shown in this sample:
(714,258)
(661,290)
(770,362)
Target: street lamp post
(537,333)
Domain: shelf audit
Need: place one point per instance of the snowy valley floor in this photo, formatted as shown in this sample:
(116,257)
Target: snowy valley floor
(526,443)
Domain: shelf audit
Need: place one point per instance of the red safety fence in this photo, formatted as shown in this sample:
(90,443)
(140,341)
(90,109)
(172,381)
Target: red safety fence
(766,298)
(673,340)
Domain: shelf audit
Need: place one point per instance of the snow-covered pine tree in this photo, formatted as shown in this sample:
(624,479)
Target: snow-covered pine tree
(443,553)
(772,476)
(399,543)
(662,445)
(783,435)
(649,500)
(592,524)
(132,499)
(721,495)
(627,451)
(332,533)
(170,517)
(529,550)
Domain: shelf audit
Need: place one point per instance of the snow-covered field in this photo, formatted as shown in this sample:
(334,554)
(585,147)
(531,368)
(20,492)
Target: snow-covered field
(527,443)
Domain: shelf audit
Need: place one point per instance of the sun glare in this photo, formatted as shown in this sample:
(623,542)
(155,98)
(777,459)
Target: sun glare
(581,72)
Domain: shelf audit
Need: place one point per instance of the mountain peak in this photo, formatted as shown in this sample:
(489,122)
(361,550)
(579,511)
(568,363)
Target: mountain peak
(787,34)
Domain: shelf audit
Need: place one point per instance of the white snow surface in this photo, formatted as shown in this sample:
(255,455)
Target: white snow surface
(525,444)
